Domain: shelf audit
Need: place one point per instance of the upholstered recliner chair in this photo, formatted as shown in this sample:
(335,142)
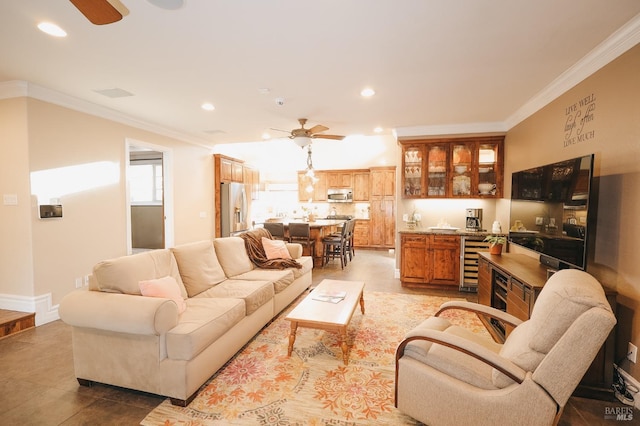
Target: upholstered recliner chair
(447,375)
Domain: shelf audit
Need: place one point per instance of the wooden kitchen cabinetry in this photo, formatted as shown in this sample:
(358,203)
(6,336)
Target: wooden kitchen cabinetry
(428,260)
(361,233)
(512,282)
(453,168)
(340,179)
(361,186)
(318,189)
(228,169)
(382,207)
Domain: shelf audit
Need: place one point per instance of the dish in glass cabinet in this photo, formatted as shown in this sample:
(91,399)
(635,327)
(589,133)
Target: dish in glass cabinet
(484,169)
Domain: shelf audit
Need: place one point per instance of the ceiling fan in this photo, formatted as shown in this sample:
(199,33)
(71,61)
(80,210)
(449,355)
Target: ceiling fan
(101,12)
(302,137)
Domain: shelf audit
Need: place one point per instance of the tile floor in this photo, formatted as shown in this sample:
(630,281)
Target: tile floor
(38,387)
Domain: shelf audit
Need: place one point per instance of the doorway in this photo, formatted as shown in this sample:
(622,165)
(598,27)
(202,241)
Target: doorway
(149,200)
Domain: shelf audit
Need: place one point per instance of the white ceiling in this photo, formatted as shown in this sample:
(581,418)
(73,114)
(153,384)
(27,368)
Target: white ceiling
(467,64)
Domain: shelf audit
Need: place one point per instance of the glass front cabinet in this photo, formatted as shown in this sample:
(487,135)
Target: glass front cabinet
(453,168)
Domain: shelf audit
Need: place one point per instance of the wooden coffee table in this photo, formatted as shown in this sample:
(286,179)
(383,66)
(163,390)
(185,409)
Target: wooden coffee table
(326,315)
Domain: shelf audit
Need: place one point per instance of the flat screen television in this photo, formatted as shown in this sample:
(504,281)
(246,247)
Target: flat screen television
(552,208)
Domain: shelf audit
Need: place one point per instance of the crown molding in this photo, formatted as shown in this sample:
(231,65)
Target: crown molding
(615,45)
(19,88)
(404,133)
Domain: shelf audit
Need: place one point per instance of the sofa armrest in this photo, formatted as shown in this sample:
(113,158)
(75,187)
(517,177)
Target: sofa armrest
(295,250)
(123,313)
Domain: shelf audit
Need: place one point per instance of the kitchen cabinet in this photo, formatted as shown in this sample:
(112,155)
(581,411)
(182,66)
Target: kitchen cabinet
(318,188)
(251,178)
(413,259)
(382,207)
(512,282)
(340,179)
(428,260)
(453,168)
(228,169)
(361,186)
(361,233)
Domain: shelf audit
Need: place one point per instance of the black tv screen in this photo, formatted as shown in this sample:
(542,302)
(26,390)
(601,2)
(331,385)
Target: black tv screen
(550,211)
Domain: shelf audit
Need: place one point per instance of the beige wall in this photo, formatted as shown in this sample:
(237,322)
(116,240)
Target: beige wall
(16,263)
(615,140)
(46,256)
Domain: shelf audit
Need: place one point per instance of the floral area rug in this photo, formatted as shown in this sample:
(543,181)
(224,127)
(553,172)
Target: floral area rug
(261,385)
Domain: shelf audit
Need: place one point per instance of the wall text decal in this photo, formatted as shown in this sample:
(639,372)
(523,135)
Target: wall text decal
(579,121)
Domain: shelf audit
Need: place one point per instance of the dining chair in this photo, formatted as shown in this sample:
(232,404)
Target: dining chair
(276,229)
(301,233)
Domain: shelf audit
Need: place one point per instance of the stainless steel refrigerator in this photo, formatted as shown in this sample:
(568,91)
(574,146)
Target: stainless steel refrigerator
(234,209)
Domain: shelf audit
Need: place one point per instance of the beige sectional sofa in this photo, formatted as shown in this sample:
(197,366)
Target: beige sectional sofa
(125,339)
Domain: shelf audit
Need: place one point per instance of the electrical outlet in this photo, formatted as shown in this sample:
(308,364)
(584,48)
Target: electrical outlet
(539,220)
(632,352)
(78,282)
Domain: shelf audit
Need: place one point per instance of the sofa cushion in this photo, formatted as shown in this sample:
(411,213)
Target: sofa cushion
(232,255)
(275,249)
(281,278)
(307,266)
(198,266)
(204,321)
(450,361)
(254,293)
(122,275)
(165,287)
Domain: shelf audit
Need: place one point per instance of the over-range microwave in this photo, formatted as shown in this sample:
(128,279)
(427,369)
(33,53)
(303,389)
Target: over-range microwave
(343,195)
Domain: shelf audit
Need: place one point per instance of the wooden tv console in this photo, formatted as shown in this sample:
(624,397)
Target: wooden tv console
(511,282)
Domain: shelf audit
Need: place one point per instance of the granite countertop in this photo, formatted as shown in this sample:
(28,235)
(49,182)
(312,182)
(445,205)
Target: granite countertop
(449,231)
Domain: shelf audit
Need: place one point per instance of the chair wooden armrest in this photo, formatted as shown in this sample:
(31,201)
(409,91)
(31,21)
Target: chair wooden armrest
(481,310)
(467,347)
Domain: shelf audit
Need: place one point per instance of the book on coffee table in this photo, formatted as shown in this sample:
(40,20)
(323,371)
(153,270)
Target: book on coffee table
(330,296)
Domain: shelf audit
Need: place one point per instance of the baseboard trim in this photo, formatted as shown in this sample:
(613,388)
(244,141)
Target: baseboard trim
(41,305)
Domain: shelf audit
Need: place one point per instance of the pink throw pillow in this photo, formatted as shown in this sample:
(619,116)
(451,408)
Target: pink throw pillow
(166,287)
(275,249)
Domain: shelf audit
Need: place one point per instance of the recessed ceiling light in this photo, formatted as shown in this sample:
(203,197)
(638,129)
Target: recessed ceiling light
(266,136)
(378,129)
(208,106)
(52,29)
(367,92)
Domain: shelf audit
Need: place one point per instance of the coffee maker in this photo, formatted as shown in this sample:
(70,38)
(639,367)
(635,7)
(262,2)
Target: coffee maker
(473,221)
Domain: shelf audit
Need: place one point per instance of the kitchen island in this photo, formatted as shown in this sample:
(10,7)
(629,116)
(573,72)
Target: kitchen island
(319,229)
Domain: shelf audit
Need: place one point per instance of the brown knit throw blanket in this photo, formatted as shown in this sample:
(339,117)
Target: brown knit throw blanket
(253,243)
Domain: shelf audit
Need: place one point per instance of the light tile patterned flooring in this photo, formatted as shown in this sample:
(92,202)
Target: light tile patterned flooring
(38,386)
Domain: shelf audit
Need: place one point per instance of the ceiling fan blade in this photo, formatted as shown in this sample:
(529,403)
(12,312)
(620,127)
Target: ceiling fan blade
(336,137)
(318,128)
(279,130)
(101,12)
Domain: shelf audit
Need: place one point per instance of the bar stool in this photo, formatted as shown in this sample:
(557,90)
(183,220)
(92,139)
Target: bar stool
(335,245)
(276,229)
(301,233)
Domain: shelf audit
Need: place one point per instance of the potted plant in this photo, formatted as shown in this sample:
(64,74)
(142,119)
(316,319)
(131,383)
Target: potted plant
(495,243)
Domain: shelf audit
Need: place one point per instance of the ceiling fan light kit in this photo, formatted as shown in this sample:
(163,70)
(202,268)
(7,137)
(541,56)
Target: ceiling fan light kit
(302,141)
